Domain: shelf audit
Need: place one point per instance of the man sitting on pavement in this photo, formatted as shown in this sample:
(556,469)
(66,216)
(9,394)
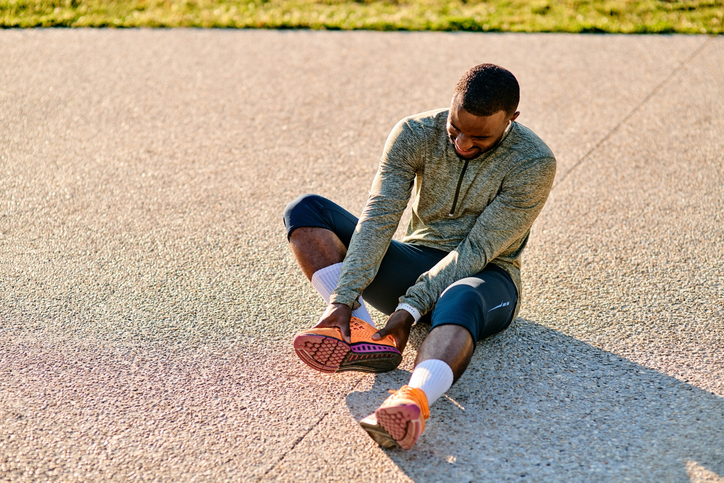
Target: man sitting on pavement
(478,181)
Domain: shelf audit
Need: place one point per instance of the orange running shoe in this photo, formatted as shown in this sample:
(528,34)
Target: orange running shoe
(325,350)
(400,420)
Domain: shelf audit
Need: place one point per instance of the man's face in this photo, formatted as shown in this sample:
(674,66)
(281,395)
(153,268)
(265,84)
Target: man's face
(473,135)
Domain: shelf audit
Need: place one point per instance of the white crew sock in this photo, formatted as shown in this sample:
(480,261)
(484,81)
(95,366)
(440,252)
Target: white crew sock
(434,377)
(325,281)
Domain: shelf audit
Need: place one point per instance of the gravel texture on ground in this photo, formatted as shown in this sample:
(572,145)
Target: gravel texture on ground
(149,297)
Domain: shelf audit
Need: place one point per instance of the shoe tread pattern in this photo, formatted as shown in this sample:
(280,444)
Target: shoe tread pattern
(401,422)
(329,355)
(324,354)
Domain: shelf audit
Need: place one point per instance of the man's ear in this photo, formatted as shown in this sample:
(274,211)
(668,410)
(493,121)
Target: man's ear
(515,116)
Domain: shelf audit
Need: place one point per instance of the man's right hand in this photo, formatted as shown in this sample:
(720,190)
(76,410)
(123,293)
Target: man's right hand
(337,315)
(398,326)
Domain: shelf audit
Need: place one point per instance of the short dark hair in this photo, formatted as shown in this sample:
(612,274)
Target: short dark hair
(486,89)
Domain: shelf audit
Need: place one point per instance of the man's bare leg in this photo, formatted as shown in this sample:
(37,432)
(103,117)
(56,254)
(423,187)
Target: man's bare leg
(451,344)
(319,253)
(441,360)
(316,248)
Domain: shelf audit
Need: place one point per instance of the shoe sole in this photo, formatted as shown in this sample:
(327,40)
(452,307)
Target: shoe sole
(327,354)
(402,423)
(380,435)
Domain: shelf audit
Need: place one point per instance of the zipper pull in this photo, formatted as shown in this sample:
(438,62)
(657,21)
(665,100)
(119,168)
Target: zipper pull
(457,190)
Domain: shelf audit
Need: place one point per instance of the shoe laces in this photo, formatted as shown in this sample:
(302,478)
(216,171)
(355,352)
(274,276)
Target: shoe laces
(415,394)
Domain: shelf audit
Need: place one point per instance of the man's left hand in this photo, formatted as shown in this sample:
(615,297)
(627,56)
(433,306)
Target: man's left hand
(398,326)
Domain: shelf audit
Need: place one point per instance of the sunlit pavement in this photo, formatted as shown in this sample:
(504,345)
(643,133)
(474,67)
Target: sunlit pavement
(148,297)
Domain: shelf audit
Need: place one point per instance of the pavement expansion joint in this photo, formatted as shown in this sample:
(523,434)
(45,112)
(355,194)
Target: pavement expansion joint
(633,111)
(308,431)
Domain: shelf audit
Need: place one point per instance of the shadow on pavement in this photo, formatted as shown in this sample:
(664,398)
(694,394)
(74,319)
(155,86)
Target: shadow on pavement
(536,404)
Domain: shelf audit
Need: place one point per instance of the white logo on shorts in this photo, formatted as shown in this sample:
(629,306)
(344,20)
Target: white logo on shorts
(502,304)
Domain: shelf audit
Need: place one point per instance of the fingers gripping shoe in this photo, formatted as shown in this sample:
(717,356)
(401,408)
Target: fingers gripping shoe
(324,349)
(400,420)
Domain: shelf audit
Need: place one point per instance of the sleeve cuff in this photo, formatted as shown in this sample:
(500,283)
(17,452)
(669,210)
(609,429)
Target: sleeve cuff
(337,299)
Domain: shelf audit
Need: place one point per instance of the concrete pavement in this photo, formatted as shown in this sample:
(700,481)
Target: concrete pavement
(148,298)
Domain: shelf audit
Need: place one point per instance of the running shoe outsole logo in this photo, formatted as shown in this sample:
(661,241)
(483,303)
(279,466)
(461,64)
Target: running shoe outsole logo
(330,355)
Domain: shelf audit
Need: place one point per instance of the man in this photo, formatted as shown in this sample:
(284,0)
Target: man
(479,180)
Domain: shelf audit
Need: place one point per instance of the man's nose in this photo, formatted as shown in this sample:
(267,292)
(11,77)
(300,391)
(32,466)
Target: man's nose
(464,142)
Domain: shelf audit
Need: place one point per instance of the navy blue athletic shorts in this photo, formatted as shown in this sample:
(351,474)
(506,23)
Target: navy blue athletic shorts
(483,303)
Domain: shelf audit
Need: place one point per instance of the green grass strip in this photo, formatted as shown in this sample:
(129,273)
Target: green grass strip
(613,16)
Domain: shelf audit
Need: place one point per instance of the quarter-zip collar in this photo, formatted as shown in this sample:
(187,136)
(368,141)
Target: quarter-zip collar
(467,161)
(457,190)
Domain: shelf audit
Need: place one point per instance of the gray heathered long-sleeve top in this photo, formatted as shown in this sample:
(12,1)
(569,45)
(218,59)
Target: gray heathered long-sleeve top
(501,193)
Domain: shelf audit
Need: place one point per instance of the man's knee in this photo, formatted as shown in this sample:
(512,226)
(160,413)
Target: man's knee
(301,209)
(461,304)
(462,295)
(485,304)
(303,203)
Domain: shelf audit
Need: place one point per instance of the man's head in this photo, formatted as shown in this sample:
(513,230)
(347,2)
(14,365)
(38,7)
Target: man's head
(483,106)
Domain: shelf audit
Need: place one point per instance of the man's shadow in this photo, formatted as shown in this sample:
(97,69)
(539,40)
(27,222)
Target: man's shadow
(538,405)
